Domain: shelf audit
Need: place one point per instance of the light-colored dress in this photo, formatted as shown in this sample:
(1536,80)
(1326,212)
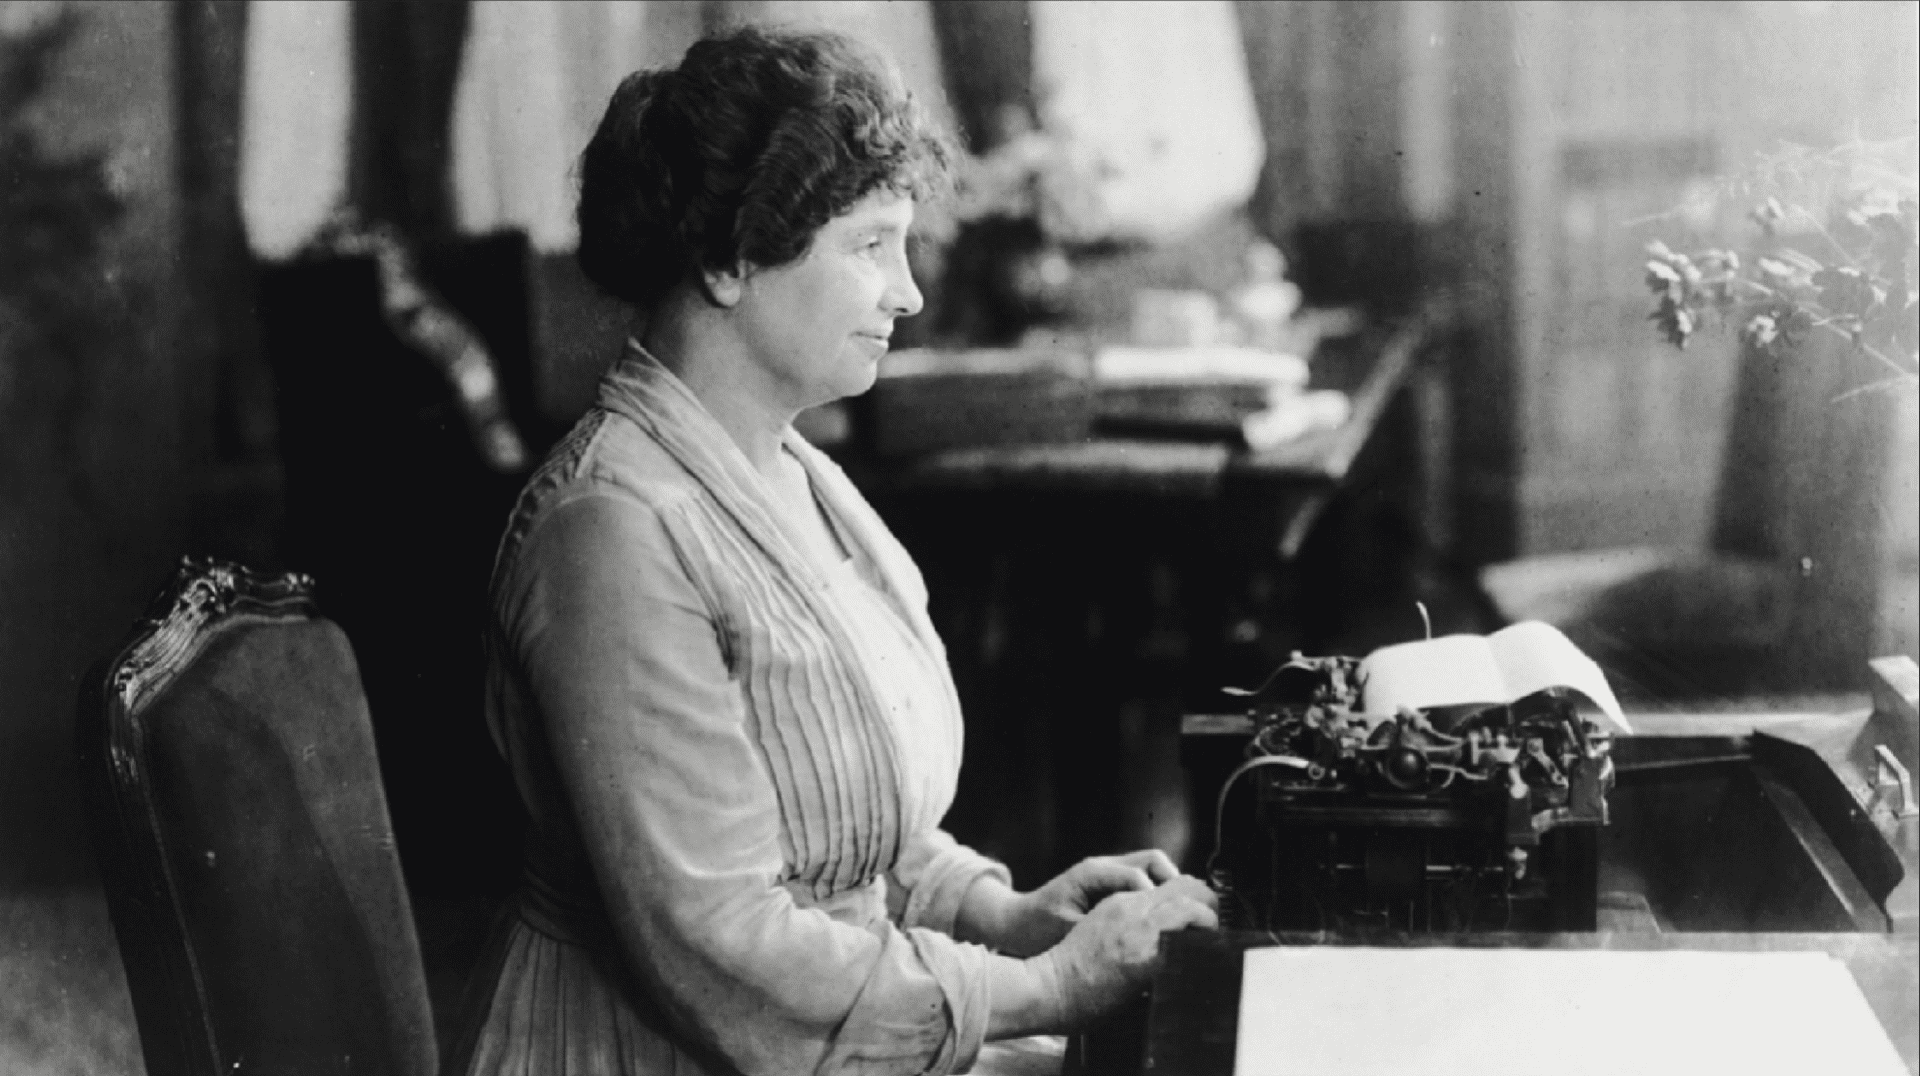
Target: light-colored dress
(793,740)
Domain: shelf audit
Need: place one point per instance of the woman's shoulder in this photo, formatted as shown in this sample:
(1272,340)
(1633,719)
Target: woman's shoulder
(607,459)
(608,454)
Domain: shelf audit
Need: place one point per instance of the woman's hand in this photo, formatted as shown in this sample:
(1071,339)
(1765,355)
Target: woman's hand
(1044,916)
(1022,924)
(1112,951)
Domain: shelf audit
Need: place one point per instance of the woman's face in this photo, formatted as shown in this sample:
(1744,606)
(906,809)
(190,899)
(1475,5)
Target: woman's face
(819,324)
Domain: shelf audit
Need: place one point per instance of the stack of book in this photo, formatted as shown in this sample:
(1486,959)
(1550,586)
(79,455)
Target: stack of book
(1249,396)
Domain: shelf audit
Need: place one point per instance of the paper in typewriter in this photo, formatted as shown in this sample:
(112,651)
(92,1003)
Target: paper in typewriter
(1330,1011)
(1510,664)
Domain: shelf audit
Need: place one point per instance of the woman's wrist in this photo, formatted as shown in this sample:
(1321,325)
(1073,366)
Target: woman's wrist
(1025,997)
(988,914)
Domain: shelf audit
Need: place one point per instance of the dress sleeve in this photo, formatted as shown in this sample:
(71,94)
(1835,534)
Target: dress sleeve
(680,821)
(932,876)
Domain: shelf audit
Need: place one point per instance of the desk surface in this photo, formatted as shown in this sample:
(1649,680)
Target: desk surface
(1195,1010)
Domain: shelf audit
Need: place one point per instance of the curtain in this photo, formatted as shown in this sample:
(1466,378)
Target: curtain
(536,77)
(1159,90)
(532,79)
(986,51)
(296,113)
(533,84)
(406,60)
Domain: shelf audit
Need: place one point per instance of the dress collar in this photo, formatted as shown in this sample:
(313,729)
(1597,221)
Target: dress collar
(642,389)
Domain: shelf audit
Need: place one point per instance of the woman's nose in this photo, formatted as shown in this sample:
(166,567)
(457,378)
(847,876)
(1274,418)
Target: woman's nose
(903,298)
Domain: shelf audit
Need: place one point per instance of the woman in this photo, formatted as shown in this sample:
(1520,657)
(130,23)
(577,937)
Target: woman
(711,666)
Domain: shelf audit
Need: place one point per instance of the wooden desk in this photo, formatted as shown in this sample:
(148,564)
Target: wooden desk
(1194,1013)
(1192,1022)
(1303,474)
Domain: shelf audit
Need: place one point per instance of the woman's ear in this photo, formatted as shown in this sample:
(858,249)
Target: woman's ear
(724,286)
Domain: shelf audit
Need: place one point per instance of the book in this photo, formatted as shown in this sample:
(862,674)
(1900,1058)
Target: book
(1456,670)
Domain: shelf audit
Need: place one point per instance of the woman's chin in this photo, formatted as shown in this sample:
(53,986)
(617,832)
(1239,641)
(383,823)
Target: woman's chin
(862,379)
(851,384)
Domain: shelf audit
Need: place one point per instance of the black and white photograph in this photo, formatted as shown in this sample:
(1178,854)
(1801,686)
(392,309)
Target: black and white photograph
(928,537)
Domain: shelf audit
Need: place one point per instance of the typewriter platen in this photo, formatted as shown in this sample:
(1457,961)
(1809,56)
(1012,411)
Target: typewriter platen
(1480,818)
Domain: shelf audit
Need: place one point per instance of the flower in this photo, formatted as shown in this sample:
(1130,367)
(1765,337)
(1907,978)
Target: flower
(1867,289)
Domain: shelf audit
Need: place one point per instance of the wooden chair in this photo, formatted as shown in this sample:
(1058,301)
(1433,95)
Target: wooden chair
(238,817)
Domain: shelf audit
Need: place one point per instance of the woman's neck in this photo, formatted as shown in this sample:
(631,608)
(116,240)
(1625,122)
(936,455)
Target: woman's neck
(691,338)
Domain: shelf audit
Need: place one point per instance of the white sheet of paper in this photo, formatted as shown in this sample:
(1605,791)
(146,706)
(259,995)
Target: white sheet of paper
(1334,1011)
(1512,663)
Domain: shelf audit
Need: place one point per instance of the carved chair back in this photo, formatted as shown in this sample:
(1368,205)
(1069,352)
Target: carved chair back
(242,832)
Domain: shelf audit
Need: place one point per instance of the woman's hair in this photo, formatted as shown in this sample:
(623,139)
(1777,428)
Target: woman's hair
(740,154)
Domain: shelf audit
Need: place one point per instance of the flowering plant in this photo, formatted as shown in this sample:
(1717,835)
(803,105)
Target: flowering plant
(1859,280)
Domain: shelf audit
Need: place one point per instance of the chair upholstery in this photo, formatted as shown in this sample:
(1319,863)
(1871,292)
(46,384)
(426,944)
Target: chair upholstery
(242,832)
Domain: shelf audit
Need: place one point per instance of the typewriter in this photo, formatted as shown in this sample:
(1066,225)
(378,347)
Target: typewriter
(1475,818)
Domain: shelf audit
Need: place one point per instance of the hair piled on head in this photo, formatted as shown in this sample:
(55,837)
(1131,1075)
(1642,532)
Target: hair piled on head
(741,154)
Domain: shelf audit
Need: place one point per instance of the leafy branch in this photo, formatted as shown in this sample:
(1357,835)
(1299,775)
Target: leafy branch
(1866,291)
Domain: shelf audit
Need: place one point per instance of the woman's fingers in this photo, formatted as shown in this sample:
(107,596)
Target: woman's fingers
(1187,887)
(1154,862)
(1104,874)
(1178,904)
(1145,869)
(1177,907)
(1182,912)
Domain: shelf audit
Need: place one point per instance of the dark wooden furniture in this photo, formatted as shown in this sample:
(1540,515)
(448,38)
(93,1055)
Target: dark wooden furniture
(1195,1010)
(242,833)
